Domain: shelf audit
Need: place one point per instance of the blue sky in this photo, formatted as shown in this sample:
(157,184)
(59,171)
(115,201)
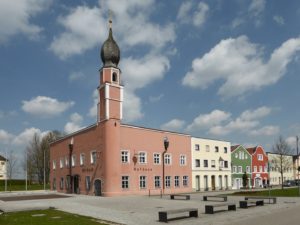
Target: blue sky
(217,69)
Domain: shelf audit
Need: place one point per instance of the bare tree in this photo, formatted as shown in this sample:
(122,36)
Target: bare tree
(11,166)
(282,161)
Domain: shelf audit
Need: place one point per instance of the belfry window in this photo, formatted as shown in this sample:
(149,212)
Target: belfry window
(114,77)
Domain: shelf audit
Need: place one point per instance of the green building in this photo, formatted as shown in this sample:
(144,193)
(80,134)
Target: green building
(240,164)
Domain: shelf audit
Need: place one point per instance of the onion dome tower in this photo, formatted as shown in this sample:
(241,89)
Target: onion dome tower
(110,52)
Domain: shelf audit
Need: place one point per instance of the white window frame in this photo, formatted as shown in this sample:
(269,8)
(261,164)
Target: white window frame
(185,181)
(125,156)
(143,182)
(82,159)
(234,169)
(197,147)
(61,162)
(261,169)
(67,159)
(54,164)
(177,181)
(73,160)
(125,182)
(213,164)
(142,157)
(254,169)
(182,160)
(157,182)
(156,158)
(93,161)
(205,166)
(260,157)
(207,148)
(168,159)
(248,169)
(240,169)
(168,181)
(197,160)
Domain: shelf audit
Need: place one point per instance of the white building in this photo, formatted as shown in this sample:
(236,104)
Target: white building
(211,164)
(276,168)
(2,168)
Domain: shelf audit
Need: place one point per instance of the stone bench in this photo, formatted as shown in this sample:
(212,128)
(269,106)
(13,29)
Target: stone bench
(205,197)
(245,204)
(274,199)
(184,197)
(163,215)
(209,209)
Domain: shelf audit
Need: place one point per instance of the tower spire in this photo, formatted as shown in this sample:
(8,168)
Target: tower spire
(110,15)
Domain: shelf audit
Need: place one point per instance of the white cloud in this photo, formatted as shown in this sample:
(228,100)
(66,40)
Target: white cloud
(241,65)
(291,141)
(25,137)
(43,106)
(5,137)
(189,12)
(75,124)
(256,114)
(208,120)
(15,16)
(173,125)
(157,98)
(132,106)
(76,76)
(256,10)
(279,20)
(94,109)
(265,131)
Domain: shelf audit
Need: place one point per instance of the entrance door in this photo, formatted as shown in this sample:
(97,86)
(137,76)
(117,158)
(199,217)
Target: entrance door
(76,184)
(197,183)
(97,187)
(257,182)
(213,183)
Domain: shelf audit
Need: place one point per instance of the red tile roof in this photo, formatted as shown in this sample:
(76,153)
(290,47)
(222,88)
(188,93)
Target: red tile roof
(234,147)
(251,150)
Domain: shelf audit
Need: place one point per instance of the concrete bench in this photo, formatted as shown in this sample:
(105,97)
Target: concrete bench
(245,204)
(274,199)
(209,209)
(205,197)
(184,197)
(163,215)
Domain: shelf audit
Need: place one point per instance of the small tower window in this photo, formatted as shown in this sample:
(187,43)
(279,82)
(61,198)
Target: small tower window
(114,77)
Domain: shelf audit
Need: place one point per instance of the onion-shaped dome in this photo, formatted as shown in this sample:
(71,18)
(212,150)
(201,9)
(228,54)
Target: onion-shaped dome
(110,52)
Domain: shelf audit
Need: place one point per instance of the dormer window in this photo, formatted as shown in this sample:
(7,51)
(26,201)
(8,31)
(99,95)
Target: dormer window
(114,77)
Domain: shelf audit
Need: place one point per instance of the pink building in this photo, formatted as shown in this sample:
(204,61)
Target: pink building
(110,158)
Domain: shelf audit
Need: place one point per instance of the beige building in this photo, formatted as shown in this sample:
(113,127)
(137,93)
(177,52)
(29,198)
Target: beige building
(2,168)
(211,164)
(275,168)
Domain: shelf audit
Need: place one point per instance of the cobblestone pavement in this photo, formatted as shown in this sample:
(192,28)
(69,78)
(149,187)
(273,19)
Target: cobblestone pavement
(138,210)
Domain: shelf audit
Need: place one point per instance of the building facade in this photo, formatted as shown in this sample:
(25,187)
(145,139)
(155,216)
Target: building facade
(280,163)
(211,162)
(110,158)
(259,167)
(3,168)
(241,161)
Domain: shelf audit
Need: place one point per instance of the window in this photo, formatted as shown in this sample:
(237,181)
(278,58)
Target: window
(240,169)
(213,163)
(197,147)
(185,180)
(142,157)
(240,155)
(207,148)
(73,161)
(255,169)
(205,163)
(156,158)
(248,169)
(225,149)
(236,155)
(176,181)
(125,182)
(260,169)
(61,184)
(61,163)
(157,181)
(216,149)
(260,157)
(67,159)
(168,182)
(88,183)
(197,163)
(142,182)
(182,160)
(82,159)
(246,156)
(225,164)
(114,77)
(168,159)
(124,156)
(266,168)
(234,169)
(93,157)
(54,164)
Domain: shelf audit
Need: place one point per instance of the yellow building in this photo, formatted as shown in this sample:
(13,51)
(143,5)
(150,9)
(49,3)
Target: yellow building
(211,164)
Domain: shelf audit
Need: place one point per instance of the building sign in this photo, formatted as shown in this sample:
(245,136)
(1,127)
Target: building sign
(142,169)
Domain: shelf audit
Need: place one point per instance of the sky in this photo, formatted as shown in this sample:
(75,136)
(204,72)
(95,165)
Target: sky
(226,70)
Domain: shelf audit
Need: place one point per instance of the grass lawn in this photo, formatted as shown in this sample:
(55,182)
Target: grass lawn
(286,192)
(46,217)
(18,187)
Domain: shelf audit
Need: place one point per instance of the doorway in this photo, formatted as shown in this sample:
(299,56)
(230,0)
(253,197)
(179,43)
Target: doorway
(197,183)
(220,182)
(76,184)
(205,183)
(97,187)
(213,183)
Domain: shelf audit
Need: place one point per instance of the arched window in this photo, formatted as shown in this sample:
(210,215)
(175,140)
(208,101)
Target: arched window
(114,77)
